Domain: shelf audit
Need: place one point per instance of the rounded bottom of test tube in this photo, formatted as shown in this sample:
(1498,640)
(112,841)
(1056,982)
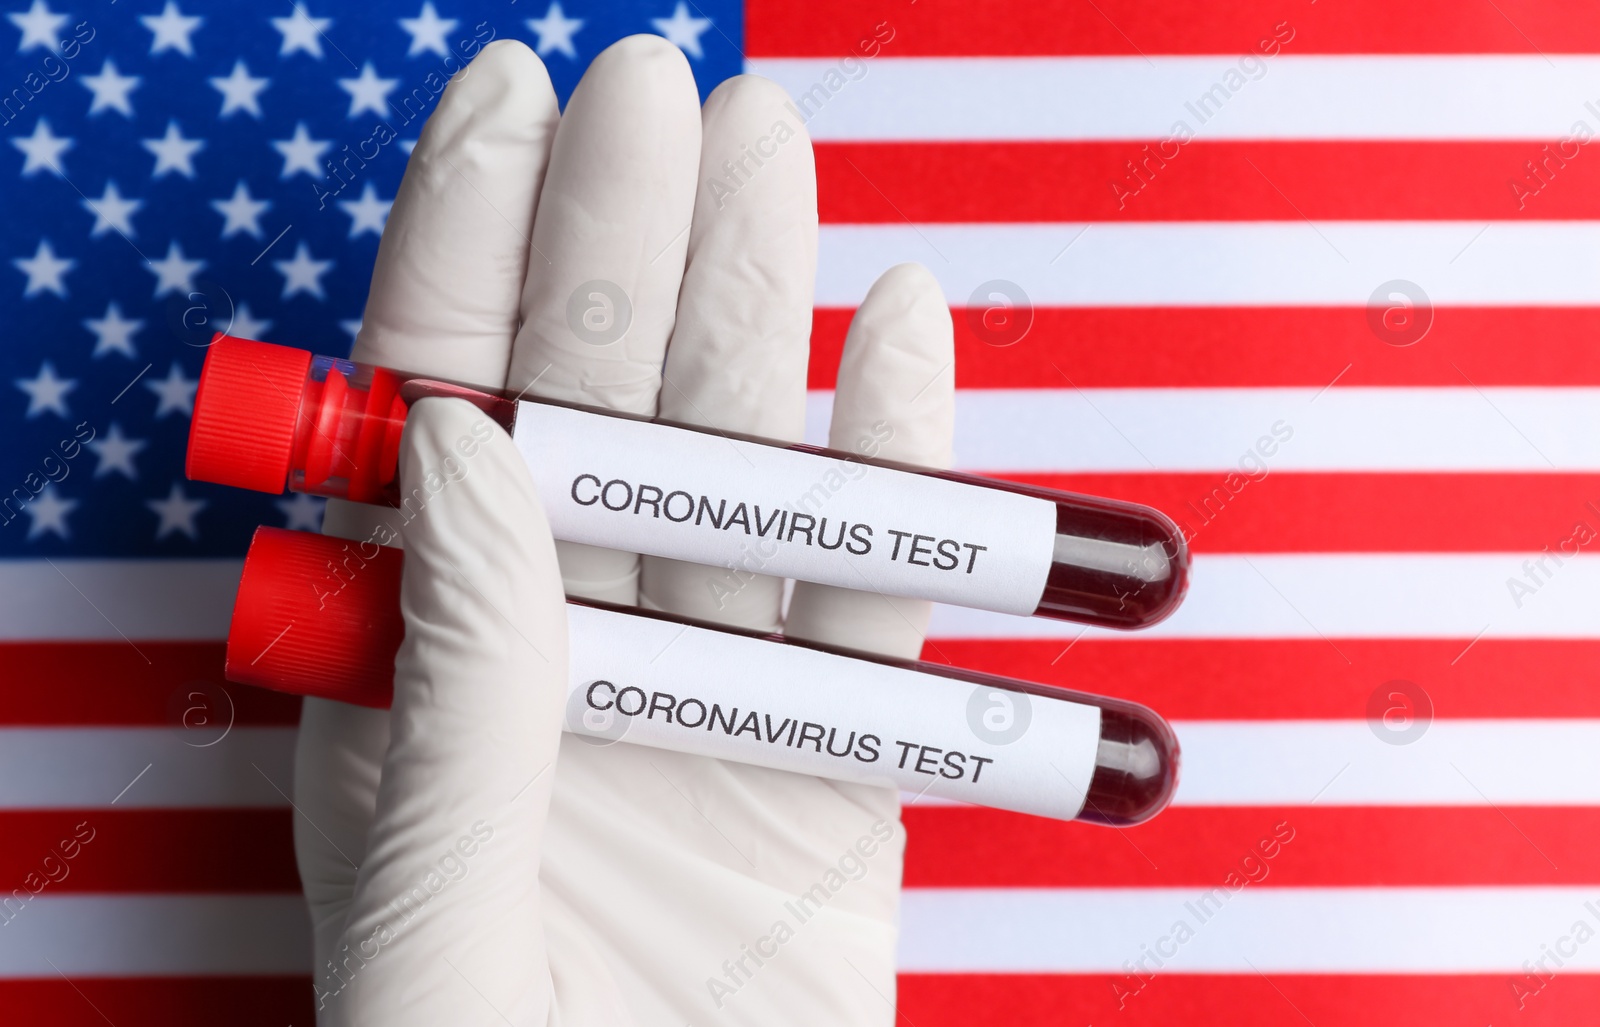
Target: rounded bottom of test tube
(1135,768)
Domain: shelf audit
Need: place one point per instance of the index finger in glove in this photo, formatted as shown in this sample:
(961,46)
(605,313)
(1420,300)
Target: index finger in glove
(607,254)
(454,252)
(447,900)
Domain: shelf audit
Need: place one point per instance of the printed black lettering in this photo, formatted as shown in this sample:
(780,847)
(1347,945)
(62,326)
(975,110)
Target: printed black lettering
(624,694)
(975,551)
(772,736)
(807,736)
(704,512)
(925,757)
(666,507)
(918,549)
(949,549)
(661,702)
(751,724)
(953,761)
(848,745)
(869,745)
(860,534)
(905,747)
(762,529)
(795,527)
(589,696)
(980,761)
(822,533)
(683,713)
(727,719)
(741,517)
(648,495)
(627,495)
(592,499)
(899,536)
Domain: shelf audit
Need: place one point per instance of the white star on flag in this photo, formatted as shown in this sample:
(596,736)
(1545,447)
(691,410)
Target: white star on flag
(110,89)
(368,92)
(240,91)
(368,213)
(241,212)
(682,30)
(173,152)
(177,512)
(353,326)
(302,512)
(113,332)
(246,326)
(40,26)
(303,273)
(301,32)
(302,152)
(428,31)
(555,31)
(172,29)
(46,391)
(112,212)
(173,272)
(41,150)
(49,512)
(116,452)
(174,393)
(44,270)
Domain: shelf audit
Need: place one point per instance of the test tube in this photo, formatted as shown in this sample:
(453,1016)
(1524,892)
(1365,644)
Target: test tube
(270,417)
(320,616)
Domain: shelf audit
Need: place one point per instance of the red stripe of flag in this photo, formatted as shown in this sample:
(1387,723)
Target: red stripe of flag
(926,1000)
(159,1001)
(1246,1000)
(150,850)
(1187,846)
(1246,347)
(1000,28)
(1157,180)
(1304,679)
(251,852)
(158,684)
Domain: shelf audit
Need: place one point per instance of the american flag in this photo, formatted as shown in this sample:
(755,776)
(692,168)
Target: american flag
(1319,279)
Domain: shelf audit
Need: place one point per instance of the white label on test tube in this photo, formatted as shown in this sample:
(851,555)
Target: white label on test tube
(616,483)
(711,693)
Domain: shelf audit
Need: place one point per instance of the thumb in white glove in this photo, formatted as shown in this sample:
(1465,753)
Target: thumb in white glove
(446,909)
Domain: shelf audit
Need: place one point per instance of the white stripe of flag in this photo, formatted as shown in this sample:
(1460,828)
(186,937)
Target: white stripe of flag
(1290,96)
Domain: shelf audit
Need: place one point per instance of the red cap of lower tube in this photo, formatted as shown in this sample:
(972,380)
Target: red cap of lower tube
(319,616)
(242,431)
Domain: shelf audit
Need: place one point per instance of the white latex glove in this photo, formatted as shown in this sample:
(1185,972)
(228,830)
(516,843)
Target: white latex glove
(561,881)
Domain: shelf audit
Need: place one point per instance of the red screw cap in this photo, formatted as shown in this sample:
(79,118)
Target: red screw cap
(319,616)
(242,433)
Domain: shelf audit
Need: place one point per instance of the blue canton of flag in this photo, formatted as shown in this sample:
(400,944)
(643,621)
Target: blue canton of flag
(186,168)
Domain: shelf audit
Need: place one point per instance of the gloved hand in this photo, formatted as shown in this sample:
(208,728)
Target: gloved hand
(465,862)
